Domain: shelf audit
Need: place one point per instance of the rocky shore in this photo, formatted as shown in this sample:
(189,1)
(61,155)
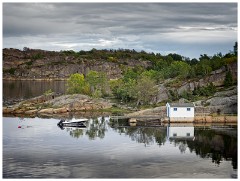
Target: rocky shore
(53,104)
(222,103)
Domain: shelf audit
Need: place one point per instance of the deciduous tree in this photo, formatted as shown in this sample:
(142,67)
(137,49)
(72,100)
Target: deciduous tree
(145,90)
(76,84)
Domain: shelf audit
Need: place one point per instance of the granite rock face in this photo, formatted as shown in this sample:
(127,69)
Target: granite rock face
(40,64)
(79,102)
(217,77)
(162,94)
(224,102)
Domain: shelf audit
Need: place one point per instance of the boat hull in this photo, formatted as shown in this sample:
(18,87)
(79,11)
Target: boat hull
(81,123)
(74,124)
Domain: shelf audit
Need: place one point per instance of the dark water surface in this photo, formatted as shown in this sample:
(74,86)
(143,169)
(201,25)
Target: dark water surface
(24,89)
(40,149)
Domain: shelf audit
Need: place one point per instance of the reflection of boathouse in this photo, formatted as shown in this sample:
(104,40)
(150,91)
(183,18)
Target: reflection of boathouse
(180,112)
(180,132)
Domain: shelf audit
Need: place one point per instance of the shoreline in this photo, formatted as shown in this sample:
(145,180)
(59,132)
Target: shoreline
(161,121)
(55,105)
(221,119)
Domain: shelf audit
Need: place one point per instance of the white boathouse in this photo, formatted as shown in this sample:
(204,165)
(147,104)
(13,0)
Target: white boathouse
(180,111)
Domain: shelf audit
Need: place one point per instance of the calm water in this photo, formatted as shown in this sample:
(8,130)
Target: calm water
(24,89)
(40,149)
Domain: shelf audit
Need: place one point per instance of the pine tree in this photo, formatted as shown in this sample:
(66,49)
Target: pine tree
(228,79)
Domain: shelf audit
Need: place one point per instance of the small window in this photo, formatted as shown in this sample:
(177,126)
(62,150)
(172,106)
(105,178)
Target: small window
(188,134)
(174,134)
(188,109)
(175,109)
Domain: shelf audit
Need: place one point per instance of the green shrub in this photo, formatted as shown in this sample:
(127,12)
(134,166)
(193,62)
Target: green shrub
(173,95)
(97,93)
(37,56)
(228,79)
(12,70)
(29,63)
(208,90)
(48,92)
(186,95)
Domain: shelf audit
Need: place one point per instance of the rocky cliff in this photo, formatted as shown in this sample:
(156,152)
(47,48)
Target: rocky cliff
(40,64)
(223,102)
(216,77)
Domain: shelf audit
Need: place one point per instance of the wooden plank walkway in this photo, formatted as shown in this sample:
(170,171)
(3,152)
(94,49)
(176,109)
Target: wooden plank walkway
(148,126)
(136,117)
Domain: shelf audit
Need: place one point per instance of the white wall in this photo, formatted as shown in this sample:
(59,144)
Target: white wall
(181,112)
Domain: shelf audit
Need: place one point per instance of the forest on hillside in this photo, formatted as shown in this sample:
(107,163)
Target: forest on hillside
(139,74)
(163,66)
(139,85)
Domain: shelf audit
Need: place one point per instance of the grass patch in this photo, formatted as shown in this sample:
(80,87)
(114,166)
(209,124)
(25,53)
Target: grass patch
(116,111)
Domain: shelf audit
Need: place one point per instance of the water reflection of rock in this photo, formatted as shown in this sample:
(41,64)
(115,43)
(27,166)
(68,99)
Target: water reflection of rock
(144,135)
(18,90)
(217,144)
(208,143)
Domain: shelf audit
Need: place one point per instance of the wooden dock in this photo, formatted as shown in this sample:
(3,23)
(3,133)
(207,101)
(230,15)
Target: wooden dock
(136,117)
(153,121)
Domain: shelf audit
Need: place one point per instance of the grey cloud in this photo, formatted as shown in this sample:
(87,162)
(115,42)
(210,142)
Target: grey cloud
(131,16)
(90,22)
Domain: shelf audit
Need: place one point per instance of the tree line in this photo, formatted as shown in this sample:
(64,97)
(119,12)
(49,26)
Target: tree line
(139,85)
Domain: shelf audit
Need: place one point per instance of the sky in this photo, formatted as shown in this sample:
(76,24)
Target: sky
(188,29)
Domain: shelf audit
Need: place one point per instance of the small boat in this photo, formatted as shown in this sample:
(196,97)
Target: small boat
(73,123)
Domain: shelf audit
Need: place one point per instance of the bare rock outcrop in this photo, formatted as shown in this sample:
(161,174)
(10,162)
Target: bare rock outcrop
(162,94)
(45,105)
(224,102)
(79,102)
(39,64)
(157,111)
(216,77)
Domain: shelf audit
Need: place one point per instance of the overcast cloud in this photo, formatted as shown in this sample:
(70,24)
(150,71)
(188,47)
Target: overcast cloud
(189,29)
